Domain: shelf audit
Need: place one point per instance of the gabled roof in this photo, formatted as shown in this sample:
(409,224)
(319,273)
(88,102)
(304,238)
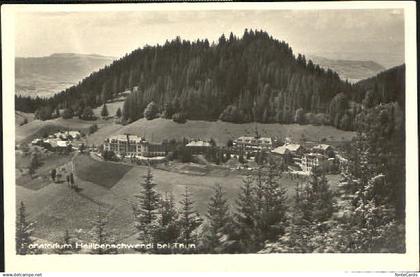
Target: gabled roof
(322,146)
(287,148)
(293,147)
(282,150)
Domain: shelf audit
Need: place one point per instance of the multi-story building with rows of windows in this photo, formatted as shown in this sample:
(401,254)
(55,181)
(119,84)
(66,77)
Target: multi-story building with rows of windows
(132,146)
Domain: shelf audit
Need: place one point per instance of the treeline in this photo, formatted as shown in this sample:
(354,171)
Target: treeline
(253,78)
(386,87)
(363,213)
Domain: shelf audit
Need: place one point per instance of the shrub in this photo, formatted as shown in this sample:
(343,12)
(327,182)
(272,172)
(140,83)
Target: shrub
(179,118)
(109,156)
(87,114)
(93,128)
(231,114)
(151,111)
(67,113)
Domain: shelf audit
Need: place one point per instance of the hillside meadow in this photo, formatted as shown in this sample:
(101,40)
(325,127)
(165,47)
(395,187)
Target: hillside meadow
(55,207)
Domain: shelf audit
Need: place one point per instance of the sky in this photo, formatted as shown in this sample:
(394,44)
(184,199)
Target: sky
(376,35)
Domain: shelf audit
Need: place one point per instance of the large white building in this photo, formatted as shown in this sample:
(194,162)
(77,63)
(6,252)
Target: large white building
(131,146)
(253,144)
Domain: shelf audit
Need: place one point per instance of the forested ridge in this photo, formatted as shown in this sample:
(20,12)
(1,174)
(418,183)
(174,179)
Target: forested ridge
(252,78)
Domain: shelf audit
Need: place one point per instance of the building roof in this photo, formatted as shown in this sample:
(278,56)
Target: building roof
(313,155)
(264,140)
(287,148)
(36,140)
(62,143)
(293,147)
(199,143)
(74,133)
(282,150)
(123,138)
(322,147)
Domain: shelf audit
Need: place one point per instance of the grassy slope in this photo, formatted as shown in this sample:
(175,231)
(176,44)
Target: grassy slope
(20,117)
(158,129)
(42,175)
(222,131)
(99,172)
(56,208)
(36,128)
(111,107)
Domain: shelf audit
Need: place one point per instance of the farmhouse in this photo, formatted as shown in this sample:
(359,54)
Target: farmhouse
(130,145)
(198,146)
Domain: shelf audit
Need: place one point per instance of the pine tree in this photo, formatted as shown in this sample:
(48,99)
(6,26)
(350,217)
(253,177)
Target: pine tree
(274,207)
(104,111)
(245,216)
(34,164)
(145,209)
(53,174)
(166,227)
(118,113)
(189,219)
(315,200)
(217,235)
(102,237)
(68,244)
(24,231)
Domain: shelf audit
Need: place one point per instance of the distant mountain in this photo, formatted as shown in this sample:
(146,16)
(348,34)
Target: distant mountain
(45,76)
(351,70)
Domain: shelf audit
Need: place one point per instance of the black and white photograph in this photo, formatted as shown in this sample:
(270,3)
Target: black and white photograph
(210,131)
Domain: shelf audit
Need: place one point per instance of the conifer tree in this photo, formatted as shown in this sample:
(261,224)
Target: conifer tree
(102,237)
(216,237)
(189,219)
(24,231)
(145,209)
(245,216)
(104,111)
(34,164)
(118,113)
(68,244)
(166,228)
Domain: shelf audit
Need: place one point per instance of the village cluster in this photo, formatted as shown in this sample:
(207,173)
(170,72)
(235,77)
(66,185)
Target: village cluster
(60,141)
(296,158)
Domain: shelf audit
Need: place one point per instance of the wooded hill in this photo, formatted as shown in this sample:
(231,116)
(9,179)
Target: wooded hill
(253,78)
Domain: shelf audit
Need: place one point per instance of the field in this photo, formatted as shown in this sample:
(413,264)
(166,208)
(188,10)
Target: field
(21,116)
(112,107)
(41,177)
(159,129)
(101,173)
(37,128)
(110,187)
(55,207)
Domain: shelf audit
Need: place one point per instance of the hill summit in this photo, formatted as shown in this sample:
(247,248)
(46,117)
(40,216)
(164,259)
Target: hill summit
(252,78)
